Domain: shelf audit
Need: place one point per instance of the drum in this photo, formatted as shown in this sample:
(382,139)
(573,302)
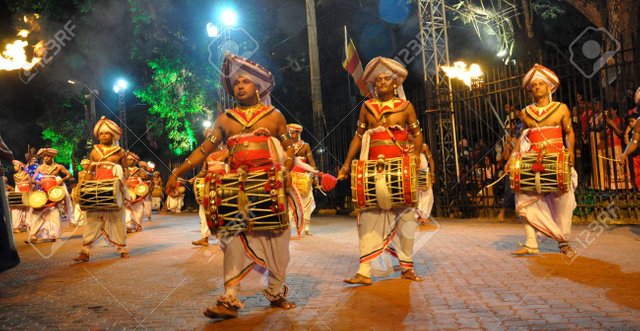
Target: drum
(198,190)
(48,182)
(157,191)
(267,202)
(15,199)
(540,173)
(400,178)
(132,193)
(100,195)
(23,186)
(302,181)
(142,190)
(36,199)
(424,180)
(56,194)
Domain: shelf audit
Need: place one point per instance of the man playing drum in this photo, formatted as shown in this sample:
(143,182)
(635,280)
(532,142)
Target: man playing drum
(303,178)
(250,131)
(108,163)
(135,210)
(384,126)
(45,220)
(22,181)
(147,167)
(545,121)
(158,191)
(214,164)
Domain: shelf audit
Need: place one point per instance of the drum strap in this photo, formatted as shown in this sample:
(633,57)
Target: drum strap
(386,127)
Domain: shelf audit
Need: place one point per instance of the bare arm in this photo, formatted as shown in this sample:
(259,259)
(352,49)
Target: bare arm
(570,135)
(633,143)
(287,143)
(65,172)
(309,156)
(356,143)
(197,156)
(415,130)
(123,163)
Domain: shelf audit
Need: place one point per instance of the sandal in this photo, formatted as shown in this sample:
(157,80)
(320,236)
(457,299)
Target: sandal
(566,249)
(222,310)
(283,303)
(411,275)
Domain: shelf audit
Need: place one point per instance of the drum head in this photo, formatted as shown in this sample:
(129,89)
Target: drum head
(142,190)
(132,193)
(56,194)
(37,199)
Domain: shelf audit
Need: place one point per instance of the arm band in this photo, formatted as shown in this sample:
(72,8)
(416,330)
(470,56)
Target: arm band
(414,125)
(358,134)
(202,150)
(284,137)
(213,139)
(362,125)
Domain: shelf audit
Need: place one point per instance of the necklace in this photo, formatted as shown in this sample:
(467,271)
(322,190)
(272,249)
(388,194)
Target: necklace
(249,111)
(542,109)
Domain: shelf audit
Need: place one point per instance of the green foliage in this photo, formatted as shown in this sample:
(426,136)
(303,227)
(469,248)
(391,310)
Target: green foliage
(172,95)
(63,136)
(61,10)
(547,9)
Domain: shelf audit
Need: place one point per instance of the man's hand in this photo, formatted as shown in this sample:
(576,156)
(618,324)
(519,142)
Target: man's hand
(623,158)
(171,184)
(571,159)
(343,172)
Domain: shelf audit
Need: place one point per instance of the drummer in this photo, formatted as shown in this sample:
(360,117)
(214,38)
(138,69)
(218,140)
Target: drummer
(251,129)
(79,216)
(22,182)
(425,197)
(45,221)
(148,168)
(158,191)
(303,177)
(108,162)
(135,209)
(175,198)
(545,123)
(384,126)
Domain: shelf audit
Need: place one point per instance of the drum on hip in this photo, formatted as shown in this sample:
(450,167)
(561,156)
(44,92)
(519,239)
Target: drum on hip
(540,173)
(100,195)
(397,174)
(266,198)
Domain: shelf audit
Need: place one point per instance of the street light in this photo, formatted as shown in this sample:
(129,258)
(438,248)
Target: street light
(229,17)
(206,124)
(91,112)
(120,87)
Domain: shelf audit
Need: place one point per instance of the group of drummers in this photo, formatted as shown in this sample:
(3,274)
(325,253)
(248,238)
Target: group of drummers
(258,177)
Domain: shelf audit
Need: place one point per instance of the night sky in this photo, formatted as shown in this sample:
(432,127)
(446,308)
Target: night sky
(100,53)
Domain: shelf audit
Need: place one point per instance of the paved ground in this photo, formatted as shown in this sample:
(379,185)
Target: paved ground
(471,282)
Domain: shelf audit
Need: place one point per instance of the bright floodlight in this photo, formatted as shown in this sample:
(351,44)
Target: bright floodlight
(120,85)
(502,53)
(229,17)
(71,81)
(212,30)
(206,123)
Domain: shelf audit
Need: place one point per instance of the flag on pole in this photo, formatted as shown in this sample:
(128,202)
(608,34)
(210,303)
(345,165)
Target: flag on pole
(352,64)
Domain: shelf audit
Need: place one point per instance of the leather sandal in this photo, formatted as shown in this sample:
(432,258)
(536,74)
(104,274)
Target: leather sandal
(524,250)
(221,310)
(82,258)
(411,274)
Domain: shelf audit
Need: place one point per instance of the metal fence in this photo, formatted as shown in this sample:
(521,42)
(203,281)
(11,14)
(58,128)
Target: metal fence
(600,116)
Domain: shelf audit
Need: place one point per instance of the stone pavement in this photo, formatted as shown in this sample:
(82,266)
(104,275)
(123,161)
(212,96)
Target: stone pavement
(471,282)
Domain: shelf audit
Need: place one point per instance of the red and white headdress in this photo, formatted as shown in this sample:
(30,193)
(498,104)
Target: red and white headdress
(19,164)
(383,65)
(293,127)
(47,152)
(234,66)
(105,124)
(539,71)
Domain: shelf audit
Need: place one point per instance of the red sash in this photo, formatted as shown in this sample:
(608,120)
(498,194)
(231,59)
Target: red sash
(23,186)
(48,182)
(549,138)
(383,144)
(103,173)
(252,152)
